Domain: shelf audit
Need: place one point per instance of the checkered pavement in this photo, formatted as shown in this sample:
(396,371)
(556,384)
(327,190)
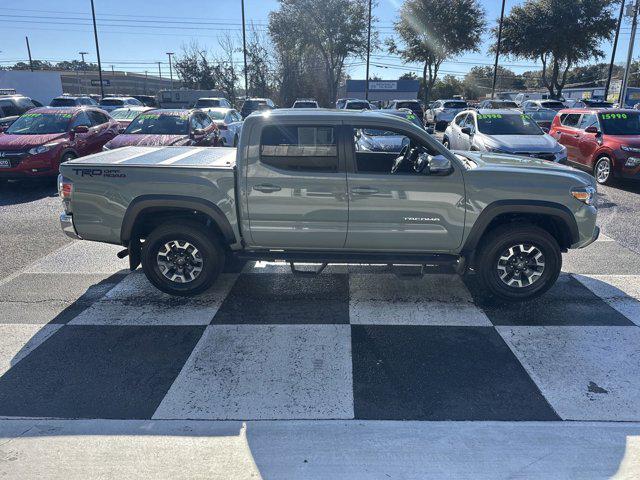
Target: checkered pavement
(80,337)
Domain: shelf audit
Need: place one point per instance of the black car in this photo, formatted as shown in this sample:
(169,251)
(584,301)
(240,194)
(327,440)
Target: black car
(69,101)
(11,107)
(413,105)
(251,105)
(147,100)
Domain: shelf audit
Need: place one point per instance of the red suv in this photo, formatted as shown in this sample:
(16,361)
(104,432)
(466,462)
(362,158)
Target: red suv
(605,142)
(39,140)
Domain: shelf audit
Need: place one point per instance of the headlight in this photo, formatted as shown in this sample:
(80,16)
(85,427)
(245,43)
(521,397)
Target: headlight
(586,195)
(40,149)
(627,148)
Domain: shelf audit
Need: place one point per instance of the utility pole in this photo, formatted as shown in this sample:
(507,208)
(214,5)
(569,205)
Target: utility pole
(84,66)
(29,52)
(170,69)
(95,35)
(159,69)
(244,50)
(634,25)
(146,73)
(366,82)
(495,65)
(613,51)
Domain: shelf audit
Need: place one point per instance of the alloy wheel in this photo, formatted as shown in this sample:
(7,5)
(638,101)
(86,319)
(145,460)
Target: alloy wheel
(179,261)
(603,170)
(520,265)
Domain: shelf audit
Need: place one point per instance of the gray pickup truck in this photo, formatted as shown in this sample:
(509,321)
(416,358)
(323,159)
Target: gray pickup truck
(300,187)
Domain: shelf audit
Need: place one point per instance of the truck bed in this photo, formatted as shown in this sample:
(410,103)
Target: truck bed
(220,157)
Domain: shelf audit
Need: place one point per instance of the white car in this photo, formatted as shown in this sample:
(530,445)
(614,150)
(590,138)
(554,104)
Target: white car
(305,104)
(356,105)
(229,123)
(442,112)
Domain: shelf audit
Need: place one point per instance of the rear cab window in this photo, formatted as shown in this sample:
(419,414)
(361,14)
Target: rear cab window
(300,148)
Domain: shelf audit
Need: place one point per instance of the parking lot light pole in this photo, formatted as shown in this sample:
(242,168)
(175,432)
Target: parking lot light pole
(170,69)
(366,81)
(495,65)
(634,25)
(95,35)
(159,69)
(29,52)
(613,51)
(84,67)
(244,51)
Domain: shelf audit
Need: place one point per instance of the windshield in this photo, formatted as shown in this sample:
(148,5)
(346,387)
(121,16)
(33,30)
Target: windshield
(460,105)
(216,114)
(504,105)
(110,102)
(511,124)
(207,102)
(543,115)
(627,123)
(159,124)
(304,105)
(63,102)
(124,114)
(40,123)
(9,109)
(415,106)
(357,106)
(599,104)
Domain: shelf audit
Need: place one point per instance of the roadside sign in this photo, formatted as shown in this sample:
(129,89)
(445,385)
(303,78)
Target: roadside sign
(96,83)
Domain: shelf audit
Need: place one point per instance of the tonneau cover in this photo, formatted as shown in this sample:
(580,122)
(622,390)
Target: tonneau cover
(215,157)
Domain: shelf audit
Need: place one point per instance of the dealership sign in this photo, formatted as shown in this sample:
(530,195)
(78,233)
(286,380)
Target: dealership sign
(383,85)
(96,83)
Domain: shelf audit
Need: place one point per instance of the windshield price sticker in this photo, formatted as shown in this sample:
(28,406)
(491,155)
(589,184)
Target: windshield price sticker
(149,116)
(38,115)
(411,116)
(614,116)
(487,116)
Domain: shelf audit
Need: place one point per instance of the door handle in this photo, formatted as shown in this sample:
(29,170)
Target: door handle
(267,188)
(364,191)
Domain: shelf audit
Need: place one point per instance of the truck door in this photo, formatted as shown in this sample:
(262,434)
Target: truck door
(296,187)
(404,211)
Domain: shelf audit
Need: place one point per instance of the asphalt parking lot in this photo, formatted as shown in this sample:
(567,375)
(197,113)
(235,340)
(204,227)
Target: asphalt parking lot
(357,373)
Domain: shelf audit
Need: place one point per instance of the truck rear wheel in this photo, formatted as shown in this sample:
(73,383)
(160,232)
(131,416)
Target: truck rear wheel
(182,258)
(518,262)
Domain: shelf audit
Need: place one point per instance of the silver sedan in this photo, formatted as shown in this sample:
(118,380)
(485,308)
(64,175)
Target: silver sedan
(502,131)
(229,123)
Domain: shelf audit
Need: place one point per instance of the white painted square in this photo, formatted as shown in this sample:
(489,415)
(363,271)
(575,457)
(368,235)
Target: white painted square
(585,373)
(19,340)
(622,292)
(265,372)
(135,301)
(82,257)
(388,299)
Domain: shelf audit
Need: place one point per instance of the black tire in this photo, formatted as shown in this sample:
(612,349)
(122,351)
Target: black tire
(445,142)
(498,242)
(211,252)
(603,171)
(67,156)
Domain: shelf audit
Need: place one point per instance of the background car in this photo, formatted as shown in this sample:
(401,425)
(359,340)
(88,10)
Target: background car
(229,123)
(162,127)
(502,131)
(603,142)
(251,105)
(11,107)
(414,105)
(588,103)
(305,103)
(379,140)
(543,117)
(39,140)
(404,113)
(341,101)
(531,105)
(70,101)
(147,100)
(124,115)
(443,111)
(497,104)
(212,102)
(111,103)
(356,105)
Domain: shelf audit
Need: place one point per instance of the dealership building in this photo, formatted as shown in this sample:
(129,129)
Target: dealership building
(381,90)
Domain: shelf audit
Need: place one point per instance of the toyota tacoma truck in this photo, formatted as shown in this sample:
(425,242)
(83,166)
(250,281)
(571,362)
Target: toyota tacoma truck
(301,188)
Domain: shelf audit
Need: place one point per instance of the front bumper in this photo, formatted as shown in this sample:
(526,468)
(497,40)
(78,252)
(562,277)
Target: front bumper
(66,223)
(596,234)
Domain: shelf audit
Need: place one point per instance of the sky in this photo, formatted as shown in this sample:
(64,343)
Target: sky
(135,34)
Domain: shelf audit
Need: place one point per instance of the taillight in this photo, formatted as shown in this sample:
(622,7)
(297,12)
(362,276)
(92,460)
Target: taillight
(65,190)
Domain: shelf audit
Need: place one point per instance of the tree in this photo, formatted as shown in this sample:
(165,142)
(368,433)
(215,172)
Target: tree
(559,33)
(335,29)
(431,31)
(479,80)
(259,61)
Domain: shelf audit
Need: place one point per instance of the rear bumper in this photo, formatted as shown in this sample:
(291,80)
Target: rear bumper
(66,223)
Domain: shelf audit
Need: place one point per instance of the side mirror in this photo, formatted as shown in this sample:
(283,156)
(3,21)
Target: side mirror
(466,130)
(592,129)
(81,129)
(439,165)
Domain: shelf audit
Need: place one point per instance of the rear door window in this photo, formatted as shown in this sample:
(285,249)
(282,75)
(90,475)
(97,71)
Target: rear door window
(300,148)
(570,120)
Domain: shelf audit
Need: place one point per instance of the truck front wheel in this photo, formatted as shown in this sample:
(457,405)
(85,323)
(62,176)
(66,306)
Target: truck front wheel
(518,262)
(182,258)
